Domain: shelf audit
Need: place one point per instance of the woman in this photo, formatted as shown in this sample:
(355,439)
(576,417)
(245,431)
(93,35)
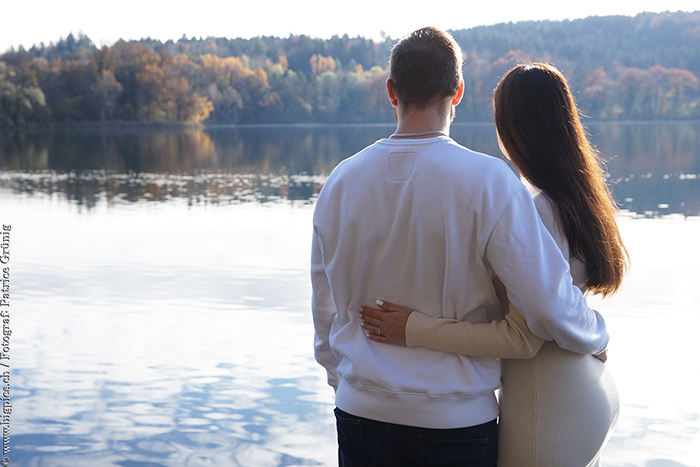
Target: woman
(558,408)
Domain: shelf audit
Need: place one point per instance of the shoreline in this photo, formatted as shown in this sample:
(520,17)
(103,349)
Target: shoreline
(109,126)
(137,127)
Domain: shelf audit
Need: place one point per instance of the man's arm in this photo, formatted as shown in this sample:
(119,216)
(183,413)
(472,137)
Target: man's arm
(527,260)
(324,311)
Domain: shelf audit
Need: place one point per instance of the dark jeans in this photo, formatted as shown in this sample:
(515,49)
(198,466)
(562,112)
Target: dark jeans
(368,443)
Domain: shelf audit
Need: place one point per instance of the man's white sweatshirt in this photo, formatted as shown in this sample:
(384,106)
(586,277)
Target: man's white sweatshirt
(427,223)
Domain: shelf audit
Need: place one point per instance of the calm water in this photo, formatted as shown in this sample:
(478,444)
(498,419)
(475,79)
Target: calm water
(653,167)
(160,294)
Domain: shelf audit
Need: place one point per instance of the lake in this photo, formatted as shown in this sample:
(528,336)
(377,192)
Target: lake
(160,301)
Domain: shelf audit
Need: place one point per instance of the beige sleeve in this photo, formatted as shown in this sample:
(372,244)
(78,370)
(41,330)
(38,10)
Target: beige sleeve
(507,338)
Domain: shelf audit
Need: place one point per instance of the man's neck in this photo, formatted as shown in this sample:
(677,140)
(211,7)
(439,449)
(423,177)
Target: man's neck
(417,122)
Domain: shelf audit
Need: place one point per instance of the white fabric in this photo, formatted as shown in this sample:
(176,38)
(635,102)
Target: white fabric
(550,219)
(428,223)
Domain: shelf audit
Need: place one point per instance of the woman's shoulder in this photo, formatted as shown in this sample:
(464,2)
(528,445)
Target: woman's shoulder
(543,202)
(548,214)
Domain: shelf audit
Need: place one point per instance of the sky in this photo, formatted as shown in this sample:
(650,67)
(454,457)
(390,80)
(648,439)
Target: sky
(29,22)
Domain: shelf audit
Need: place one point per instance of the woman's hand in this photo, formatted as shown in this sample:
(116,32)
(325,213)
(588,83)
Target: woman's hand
(387,324)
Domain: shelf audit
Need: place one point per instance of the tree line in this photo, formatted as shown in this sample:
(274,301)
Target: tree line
(642,67)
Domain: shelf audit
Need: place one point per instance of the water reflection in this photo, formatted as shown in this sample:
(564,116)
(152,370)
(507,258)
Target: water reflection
(654,195)
(263,149)
(653,166)
(156,335)
(208,421)
(92,187)
(657,148)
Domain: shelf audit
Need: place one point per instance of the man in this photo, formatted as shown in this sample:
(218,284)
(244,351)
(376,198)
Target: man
(418,219)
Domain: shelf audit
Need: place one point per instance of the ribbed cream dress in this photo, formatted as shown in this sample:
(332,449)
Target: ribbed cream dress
(557,408)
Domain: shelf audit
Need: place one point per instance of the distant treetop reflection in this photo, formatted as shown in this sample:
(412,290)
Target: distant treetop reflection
(653,166)
(217,166)
(92,187)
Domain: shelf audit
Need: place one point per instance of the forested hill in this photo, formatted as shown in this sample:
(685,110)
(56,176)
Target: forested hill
(669,39)
(642,67)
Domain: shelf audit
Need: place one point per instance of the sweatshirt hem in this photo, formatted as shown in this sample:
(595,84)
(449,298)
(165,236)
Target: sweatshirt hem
(419,410)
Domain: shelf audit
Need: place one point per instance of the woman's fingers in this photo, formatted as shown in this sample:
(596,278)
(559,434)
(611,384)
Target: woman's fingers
(372,312)
(387,324)
(374,332)
(371,329)
(388,306)
(371,316)
(381,304)
(388,331)
(372,325)
(376,338)
(381,314)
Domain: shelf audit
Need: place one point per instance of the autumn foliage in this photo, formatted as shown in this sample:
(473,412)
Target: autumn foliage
(645,67)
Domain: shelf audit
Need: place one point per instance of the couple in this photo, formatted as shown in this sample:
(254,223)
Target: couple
(418,220)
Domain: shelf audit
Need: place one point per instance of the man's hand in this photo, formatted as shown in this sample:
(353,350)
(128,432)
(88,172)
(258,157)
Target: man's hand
(603,356)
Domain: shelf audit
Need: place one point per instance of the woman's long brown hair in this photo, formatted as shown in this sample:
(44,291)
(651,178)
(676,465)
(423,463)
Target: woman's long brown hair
(539,127)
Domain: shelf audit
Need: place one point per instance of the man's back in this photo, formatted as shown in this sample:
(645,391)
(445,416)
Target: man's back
(409,221)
